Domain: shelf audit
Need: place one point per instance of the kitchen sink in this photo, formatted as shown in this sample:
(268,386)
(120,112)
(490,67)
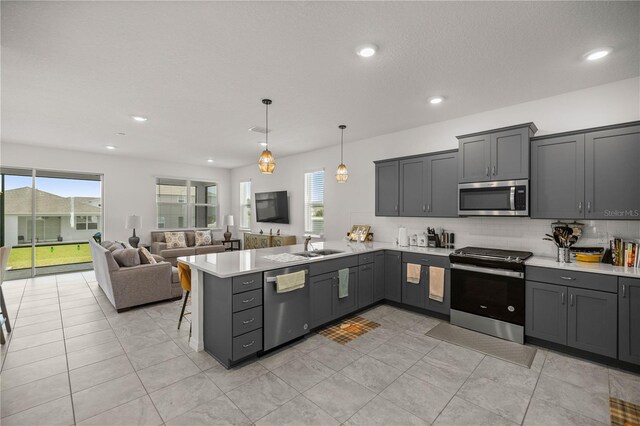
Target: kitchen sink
(318,253)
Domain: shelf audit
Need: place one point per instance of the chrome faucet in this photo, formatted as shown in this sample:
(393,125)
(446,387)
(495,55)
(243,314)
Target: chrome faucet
(307,243)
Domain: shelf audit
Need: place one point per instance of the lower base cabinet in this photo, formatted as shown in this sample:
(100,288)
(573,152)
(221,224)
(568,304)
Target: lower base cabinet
(393,276)
(325,303)
(378,277)
(365,285)
(629,320)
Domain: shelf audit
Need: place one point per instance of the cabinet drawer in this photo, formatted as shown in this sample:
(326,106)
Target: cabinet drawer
(425,259)
(247,344)
(249,299)
(365,258)
(325,266)
(247,282)
(246,321)
(590,281)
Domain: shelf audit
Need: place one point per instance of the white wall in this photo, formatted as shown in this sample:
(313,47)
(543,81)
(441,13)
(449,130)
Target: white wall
(353,203)
(129,183)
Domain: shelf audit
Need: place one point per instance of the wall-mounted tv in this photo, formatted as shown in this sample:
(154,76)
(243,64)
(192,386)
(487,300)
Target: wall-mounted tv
(272,207)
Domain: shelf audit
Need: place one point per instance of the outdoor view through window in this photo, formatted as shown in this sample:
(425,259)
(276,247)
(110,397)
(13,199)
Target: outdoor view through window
(47,220)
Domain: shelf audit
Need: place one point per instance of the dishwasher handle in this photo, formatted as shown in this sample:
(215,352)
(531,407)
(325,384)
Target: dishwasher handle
(273,279)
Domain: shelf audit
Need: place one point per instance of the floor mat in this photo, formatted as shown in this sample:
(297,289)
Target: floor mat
(624,413)
(488,345)
(349,329)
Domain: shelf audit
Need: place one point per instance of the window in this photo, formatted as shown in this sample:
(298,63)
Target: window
(186,204)
(245,205)
(86,222)
(314,202)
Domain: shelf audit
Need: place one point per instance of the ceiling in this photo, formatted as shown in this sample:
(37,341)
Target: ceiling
(73,73)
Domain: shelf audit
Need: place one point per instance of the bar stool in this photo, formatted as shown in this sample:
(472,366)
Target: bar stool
(185,282)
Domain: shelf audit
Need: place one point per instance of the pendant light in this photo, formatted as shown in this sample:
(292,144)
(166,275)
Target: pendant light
(342,174)
(266,162)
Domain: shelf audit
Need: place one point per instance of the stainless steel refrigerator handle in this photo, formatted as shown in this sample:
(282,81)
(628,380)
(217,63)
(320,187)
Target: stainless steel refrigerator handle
(273,279)
(491,271)
(512,198)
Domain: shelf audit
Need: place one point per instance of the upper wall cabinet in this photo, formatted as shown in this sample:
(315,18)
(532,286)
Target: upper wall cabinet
(426,185)
(501,154)
(387,188)
(591,174)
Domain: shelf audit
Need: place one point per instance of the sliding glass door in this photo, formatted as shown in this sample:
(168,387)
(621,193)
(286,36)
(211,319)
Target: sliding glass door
(48,219)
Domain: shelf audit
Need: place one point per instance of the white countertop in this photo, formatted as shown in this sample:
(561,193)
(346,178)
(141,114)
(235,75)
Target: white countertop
(598,268)
(232,263)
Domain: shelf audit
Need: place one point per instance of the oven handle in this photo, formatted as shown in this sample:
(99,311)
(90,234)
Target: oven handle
(491,271)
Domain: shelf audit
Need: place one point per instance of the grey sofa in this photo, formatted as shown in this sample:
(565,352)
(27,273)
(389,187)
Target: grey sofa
(159,246)
(126,287)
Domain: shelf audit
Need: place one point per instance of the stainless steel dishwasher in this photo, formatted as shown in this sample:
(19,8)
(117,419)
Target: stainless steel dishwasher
(286,315)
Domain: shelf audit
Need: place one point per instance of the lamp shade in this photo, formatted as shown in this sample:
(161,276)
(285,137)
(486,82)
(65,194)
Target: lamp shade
(228,220)
(266,163)
(133,222)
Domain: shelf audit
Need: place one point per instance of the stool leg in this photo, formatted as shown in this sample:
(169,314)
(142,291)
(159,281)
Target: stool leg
(3,307)
(184,305)
(2,341)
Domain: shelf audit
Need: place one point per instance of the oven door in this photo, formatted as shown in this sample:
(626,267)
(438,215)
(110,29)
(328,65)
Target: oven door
(488,292)
(500,198)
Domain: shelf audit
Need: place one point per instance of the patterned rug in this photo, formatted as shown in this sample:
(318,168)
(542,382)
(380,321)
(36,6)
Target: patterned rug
(624,413)
(349,329)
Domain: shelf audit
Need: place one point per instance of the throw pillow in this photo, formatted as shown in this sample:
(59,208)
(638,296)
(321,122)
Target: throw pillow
(203,238)
(126,257)
(145,256)
(175,240)
(115,246)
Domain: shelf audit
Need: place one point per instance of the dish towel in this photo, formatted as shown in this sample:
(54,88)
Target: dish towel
(343,283)
(290,282)
(413,273)
(436,284)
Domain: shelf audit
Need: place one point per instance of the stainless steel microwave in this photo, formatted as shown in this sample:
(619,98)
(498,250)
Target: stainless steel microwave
(496,198)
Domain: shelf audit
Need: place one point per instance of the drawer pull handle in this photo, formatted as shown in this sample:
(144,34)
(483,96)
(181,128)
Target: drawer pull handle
(366,268)
(249,300)
(249,344)
(249,321)
(424,261)
(248,282)
(567,278)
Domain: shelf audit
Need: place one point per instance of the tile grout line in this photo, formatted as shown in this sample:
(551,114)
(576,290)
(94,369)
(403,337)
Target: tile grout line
(534,388)
(64,341)
(10,335)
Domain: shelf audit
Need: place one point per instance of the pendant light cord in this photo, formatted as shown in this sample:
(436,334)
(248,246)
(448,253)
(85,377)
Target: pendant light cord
(267,127)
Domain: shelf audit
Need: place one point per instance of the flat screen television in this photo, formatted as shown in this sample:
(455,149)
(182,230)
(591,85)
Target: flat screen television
(272,207)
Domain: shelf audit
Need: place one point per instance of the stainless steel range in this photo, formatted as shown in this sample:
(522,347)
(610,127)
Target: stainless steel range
(488,291)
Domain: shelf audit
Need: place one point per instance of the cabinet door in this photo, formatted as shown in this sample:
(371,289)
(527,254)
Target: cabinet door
(412,193)
(387,188)
(378,277)
(321,293)
(443,307)
(414,294)
(546,312)
(392,276)
(442,185)
(510,154)
(365,285)
(612,174)
(474,158)
(557,178)
(629,320)
(593,321)
(347,304)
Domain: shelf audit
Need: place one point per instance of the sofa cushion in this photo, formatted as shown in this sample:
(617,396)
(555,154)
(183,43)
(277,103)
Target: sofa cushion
(175,276)
(172,253)
(126,257)
(145,256)
(175,240)
(190,236)
(115,246)
(203,238)
(158,258)
(209,249)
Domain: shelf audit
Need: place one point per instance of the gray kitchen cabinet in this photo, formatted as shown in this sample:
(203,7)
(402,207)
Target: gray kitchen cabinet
(441,182)
(499,154)
(348,304)
(378,277)
(443,307)
(387,188)
(393,276)
(557,177)
(321,294)
(612,174)
(629,320)
(593,321)
(414,294)
(366,284)
(413,173)
(546,312)
(418,294)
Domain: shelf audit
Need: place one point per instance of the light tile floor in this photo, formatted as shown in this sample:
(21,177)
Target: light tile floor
(72,359)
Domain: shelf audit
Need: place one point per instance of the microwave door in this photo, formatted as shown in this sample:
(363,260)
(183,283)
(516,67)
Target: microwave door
(485,200)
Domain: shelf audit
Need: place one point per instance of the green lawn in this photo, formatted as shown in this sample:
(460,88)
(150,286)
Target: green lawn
(20,258)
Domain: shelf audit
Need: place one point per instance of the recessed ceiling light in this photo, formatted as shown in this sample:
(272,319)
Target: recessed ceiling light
(121,134)
(139,118)
(596,54)
(210,160)
(110,147)
(436,100)
(367,50)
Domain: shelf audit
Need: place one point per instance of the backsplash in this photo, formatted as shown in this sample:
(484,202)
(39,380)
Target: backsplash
(505,232)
